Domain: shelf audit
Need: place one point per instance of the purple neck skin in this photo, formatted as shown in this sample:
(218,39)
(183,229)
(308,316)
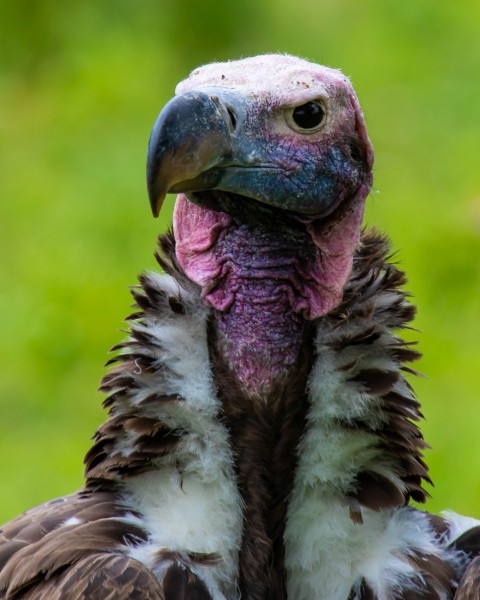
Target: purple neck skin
(266,277)
(260,330)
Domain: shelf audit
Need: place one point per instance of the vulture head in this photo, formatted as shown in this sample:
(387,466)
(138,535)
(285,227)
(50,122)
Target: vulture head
(272,164)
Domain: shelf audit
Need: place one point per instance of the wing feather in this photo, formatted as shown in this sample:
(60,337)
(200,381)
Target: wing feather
(469,586)
(99,576)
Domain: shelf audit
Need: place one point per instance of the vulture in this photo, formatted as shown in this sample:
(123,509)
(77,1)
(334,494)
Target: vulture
(262,439)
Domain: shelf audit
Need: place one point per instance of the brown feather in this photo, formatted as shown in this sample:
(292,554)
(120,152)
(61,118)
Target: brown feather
(38,544)
(364,592)
(469,586)
(375,381)
(181,584)
(61,548)
(434,570)
(99,577)
(376,492)
(469,541)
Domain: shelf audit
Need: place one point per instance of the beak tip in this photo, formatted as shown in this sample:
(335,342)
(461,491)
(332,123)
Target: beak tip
(156,192)
(156,205)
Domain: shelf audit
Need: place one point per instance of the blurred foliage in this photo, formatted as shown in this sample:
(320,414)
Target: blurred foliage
(80,87)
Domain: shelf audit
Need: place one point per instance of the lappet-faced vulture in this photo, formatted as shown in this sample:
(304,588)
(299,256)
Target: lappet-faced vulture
(262,440)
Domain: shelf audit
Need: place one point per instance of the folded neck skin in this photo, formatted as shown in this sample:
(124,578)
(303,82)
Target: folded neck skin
(268,276)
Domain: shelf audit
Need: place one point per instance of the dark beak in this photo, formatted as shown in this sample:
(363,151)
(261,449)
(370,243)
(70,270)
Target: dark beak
(189,139)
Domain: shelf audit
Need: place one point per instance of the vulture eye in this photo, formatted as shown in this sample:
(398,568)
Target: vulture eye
(307,117)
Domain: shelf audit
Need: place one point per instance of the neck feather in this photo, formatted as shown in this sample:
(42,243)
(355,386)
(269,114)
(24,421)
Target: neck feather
(360,459)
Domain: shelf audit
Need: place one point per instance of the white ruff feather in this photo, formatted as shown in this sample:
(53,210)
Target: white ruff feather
(191,504)
(327,554)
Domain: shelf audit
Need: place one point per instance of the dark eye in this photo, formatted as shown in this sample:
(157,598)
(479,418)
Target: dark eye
(309,115)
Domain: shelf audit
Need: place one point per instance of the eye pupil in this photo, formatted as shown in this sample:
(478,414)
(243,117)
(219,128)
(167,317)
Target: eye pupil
(309,115)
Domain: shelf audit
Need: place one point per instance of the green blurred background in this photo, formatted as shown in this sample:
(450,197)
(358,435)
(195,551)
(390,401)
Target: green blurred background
(80,87)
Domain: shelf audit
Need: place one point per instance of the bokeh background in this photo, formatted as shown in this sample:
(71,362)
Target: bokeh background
(80,87)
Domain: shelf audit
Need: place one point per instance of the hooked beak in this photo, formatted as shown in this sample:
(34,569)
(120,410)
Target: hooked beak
(189,139)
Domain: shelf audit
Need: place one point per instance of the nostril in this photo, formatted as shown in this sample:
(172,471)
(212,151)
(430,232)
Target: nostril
(233,118)
(224,107)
